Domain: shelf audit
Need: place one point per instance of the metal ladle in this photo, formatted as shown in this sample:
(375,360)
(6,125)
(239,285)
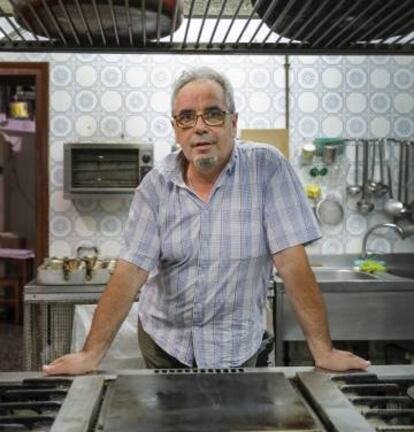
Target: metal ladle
(410,392)
(383,188)
(407,173)
(364,206)
(392,206)
(395,207)
(372,186)
(410,205)
(355,189)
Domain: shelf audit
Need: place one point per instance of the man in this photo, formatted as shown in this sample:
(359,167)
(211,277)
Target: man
(204,229)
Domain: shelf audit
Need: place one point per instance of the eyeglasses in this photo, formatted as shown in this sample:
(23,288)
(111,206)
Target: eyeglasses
(211,117)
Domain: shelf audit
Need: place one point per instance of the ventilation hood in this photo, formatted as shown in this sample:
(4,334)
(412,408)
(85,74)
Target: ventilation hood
(209,26)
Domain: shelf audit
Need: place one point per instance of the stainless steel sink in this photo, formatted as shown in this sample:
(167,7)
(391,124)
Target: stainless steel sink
(329,274)
(402,272)
(400,268)
(401,265)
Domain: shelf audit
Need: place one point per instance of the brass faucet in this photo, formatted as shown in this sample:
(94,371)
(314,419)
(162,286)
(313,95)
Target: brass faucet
(394,226)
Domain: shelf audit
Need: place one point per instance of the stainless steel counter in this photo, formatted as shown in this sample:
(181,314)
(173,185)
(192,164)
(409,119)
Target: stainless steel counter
(360,308)
(35,292)
(48,319)
(374,308)
(283,398)
(49,312)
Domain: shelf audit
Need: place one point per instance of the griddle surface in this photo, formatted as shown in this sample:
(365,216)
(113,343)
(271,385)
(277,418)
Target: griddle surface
(206,402)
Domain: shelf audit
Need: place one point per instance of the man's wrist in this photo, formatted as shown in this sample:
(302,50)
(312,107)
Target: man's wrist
(93,356)
(322,354)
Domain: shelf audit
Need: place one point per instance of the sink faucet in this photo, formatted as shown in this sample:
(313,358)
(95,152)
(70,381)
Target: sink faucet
(394,226)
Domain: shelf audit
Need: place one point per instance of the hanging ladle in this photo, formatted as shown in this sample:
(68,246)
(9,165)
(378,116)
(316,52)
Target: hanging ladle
(395,207)
(410,392)
(355,189)
(372,186)
(365,206)
(383,188)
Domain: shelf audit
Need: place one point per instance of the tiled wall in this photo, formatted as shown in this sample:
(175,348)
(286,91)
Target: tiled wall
(126,97)
(354,97)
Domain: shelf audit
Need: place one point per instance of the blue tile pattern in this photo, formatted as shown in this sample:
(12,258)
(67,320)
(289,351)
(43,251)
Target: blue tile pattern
(113,97)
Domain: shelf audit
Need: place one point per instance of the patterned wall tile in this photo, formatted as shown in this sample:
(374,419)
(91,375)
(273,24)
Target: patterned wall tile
(113,97)
(353,97)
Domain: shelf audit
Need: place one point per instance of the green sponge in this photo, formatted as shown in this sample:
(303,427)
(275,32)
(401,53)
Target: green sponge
(370,265)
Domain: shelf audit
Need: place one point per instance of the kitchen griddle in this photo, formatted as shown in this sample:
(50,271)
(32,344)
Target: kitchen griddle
(204,402)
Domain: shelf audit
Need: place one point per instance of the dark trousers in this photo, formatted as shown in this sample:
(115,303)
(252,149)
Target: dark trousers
(156,358)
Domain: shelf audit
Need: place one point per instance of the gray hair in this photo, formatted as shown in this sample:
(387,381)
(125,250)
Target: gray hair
(205,73)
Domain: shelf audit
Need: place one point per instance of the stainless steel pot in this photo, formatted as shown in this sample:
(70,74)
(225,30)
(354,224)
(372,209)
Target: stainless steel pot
(54,263)
(291,18)
(107,22)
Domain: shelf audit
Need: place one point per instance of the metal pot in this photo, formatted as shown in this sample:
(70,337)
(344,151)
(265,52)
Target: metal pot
(292,18)
(108,21)
(54,263)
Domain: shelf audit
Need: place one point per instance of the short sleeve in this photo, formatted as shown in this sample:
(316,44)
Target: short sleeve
(289,219)
(141,242)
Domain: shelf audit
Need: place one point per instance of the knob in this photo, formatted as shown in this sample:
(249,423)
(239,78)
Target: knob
(146,158)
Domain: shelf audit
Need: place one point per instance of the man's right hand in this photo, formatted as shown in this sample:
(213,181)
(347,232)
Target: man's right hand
(72,364)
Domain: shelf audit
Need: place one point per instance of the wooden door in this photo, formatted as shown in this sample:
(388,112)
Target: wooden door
(40,73)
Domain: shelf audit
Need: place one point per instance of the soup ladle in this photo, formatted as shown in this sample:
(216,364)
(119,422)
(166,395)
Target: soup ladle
(364,205)
(383,188)
(355,189)
(410,392)
(393,207)
(372,186)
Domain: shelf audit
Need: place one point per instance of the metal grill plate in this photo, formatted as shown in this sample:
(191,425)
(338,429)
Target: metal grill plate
(218,402)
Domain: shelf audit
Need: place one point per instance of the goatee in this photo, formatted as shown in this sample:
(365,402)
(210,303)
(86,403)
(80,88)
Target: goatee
(206,163)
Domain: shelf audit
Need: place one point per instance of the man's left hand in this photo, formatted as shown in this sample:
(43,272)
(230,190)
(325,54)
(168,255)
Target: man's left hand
(340,361)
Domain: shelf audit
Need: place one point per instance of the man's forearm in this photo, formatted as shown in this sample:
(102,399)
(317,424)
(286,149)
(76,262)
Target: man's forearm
(113,307)
(310,311)
(306,301)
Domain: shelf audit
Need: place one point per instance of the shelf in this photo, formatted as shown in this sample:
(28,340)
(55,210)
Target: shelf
(15,125)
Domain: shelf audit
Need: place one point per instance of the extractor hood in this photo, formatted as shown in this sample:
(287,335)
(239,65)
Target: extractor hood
(209,26)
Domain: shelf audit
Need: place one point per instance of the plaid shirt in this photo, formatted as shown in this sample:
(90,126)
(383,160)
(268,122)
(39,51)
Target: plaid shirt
(211,263)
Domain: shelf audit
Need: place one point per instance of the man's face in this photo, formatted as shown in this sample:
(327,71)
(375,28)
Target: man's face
(205,147)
